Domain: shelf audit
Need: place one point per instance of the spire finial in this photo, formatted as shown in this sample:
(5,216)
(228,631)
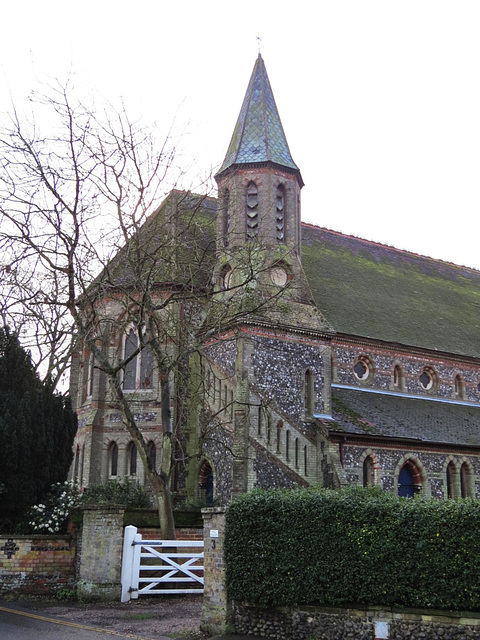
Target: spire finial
(259,42)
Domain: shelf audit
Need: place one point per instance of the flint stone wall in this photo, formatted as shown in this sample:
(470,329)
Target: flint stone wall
(309,623)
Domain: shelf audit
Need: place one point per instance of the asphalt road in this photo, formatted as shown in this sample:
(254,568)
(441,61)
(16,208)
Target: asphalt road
(20,623)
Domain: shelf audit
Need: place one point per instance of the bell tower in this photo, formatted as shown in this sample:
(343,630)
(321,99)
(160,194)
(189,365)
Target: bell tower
(259,274)
(259,183)
(259,188)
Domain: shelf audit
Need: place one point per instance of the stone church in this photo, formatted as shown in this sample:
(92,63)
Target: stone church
(362,367)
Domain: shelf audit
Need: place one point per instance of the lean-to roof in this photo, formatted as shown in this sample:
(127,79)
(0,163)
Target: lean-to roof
(382,415)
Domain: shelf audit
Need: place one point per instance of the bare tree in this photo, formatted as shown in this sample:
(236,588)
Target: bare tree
(89,254)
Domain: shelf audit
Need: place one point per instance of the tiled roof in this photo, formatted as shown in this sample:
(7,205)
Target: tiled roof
(362,288)
(258,134)
(359,412)
(375,291)
(176,245)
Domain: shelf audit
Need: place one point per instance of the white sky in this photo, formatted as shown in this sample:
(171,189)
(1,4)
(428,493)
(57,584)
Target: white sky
(380,100)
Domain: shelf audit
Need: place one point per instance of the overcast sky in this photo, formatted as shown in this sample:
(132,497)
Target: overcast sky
(380,100)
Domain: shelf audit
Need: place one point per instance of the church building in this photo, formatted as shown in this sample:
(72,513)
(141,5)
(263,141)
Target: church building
(351,362)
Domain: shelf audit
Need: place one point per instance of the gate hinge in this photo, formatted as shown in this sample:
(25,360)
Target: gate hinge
(132,589)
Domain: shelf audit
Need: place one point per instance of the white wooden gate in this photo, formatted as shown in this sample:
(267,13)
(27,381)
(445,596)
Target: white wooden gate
(160,566)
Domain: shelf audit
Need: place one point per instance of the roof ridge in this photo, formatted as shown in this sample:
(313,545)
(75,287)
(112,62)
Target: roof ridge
(389,246)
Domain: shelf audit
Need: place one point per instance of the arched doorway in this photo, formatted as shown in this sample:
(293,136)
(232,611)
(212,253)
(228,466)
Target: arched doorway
(408,480)
(205,484)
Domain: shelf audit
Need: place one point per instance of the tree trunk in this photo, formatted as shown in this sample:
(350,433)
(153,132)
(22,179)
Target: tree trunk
(160,481)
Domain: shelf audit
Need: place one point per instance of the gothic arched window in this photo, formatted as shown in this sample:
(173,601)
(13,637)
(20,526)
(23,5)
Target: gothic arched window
(138,372)
(308,393)
(87,380)
(459,387)
(398,378)
(279,434)
(465,475)
(368,472)
(113,459)
(206,483)
(152,453)
(77,462)
(252,211)
(409,480)
(132,459)
(451,484)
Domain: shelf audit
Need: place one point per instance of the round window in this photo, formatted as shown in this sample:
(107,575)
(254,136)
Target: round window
(363,369)
(427,379)
(278,276)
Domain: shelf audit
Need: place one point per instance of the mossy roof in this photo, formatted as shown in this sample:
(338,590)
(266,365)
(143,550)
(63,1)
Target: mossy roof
(175,245)
(362,288)
(383,415)
(375,291)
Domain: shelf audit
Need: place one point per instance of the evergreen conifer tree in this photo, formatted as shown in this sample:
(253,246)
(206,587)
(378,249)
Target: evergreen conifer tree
(37,427)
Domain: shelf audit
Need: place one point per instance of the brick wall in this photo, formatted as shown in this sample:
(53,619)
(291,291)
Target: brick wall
(43,565)
(39,565)
(215,611)
(182,533)
(101,556)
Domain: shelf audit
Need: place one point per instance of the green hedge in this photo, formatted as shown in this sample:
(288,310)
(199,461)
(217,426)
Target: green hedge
(353,546)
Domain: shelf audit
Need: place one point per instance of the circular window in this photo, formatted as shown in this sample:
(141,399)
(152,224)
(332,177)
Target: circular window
(279,276)
(428,379)
(363,369)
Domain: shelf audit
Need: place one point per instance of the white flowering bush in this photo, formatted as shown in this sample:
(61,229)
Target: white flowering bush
(51,516)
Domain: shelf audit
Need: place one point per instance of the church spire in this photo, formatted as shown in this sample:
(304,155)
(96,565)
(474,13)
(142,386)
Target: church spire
(258,213)
(258,136)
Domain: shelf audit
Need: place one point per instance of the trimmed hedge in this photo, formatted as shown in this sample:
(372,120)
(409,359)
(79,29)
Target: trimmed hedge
(327,547)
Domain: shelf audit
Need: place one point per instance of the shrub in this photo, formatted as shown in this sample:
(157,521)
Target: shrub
(51,516)
(37,429)
(353,546)
(126,493)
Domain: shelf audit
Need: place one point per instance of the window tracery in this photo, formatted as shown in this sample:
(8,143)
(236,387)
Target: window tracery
(138,371)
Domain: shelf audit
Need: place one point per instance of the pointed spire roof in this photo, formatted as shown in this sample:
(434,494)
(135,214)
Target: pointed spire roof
(258,134)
